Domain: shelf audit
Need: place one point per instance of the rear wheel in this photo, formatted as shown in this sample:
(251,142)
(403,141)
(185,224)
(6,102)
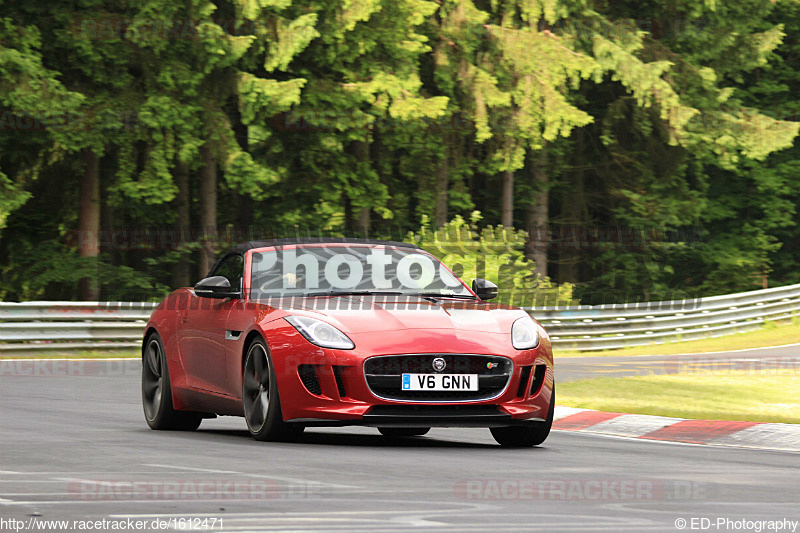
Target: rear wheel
(526,436)
(157,394)
(403,432)
(260,398)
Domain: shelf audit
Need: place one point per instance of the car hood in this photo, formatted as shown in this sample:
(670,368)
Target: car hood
(363,314)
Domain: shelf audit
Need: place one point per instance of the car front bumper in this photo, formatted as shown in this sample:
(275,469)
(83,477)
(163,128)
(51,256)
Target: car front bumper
(326,387)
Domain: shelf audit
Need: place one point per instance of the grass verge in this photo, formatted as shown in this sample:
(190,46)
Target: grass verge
(767,396)
(772,334)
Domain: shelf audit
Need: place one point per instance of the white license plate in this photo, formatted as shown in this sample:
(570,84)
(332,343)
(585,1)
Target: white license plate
(440,382)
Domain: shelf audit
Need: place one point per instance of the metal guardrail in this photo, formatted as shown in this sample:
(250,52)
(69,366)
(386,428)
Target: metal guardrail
(53,327)
(28,328)
(604,327)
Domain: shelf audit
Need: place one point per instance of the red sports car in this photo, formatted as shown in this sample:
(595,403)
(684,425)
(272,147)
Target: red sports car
(292,333)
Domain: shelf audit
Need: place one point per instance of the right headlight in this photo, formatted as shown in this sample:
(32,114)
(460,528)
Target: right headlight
(320,333)
(524,334)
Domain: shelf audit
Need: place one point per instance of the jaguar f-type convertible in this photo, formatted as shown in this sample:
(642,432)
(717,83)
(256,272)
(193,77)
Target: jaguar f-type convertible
(296,333)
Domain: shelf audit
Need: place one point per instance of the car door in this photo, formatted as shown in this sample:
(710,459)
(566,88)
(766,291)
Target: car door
(202,339)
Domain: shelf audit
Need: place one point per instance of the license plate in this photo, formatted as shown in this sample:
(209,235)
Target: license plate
(440,382)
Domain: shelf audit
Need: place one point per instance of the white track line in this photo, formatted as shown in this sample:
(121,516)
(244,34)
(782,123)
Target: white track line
(302,481)
(745,349)
(259,476)
(600,357)
(711,444)
(192,469)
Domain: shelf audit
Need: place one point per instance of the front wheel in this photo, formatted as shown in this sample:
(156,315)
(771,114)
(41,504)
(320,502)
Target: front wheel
(526,436)
(260,398)
(157,393)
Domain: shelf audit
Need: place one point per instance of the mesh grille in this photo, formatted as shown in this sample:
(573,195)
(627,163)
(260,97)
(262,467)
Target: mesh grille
(384,376)
(308,375)
(423,364)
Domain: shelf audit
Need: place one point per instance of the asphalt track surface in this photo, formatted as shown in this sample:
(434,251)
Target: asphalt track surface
(74,446)
(755,359)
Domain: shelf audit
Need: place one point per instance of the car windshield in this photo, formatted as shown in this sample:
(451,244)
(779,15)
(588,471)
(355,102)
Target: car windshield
(351,269)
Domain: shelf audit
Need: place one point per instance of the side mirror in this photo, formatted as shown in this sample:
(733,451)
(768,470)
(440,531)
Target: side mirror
(215,287)
(486,290)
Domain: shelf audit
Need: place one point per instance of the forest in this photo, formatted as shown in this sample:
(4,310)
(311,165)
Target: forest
(624,151)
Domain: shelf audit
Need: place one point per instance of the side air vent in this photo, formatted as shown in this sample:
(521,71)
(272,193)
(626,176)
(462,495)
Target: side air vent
(523,381)
(308,375)
(538,379)
(337,373)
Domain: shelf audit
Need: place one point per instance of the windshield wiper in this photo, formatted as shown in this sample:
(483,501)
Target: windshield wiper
(444,295)
(352,293)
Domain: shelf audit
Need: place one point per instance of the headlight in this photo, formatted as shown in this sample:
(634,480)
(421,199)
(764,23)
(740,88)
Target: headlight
(320,333)
(524,334)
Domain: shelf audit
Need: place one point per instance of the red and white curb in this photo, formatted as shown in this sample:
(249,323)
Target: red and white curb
(717,432)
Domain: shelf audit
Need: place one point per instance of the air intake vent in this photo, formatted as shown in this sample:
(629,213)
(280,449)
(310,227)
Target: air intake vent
(337,373)
(538,379)
(308,375)
(523,381)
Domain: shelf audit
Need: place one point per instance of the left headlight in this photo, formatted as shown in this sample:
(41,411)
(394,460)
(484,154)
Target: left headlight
(320,333)
(524,334)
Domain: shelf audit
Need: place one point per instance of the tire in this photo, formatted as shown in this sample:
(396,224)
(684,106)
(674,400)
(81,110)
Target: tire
(526,436)
(157,392)
(261,401)
(403,432)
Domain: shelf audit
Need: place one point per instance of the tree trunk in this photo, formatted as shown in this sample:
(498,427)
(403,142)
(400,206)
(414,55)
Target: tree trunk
(244,214)
(181,276)
(574,216)
(364,220)
(507,214)
(208,209)
(243,202)
(442,186)
(362,215)
(89,221)
(539,218)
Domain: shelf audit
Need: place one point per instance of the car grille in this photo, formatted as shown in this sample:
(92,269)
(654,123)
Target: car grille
(384,376)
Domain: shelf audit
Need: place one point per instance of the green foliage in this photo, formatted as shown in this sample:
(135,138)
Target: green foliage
(493,253)
(53,266)
(330,115)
